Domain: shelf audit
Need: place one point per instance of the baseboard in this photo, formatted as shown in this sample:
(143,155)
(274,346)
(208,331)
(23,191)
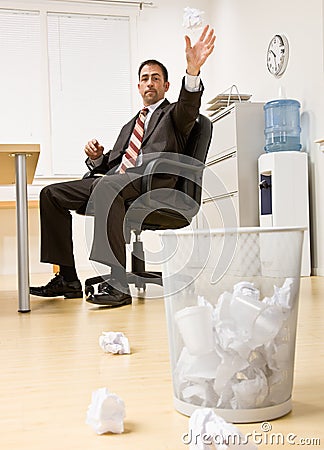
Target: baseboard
(318,271)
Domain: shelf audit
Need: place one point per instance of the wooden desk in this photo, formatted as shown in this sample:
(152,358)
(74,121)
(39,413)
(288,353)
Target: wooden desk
(17,166)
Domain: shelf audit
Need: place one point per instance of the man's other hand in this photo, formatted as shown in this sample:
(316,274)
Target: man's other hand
(93,149)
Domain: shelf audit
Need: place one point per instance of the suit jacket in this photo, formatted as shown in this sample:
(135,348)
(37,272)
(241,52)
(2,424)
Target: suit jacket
(168,131)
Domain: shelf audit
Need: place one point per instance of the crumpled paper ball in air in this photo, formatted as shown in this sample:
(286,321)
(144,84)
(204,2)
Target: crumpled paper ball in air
(192,18)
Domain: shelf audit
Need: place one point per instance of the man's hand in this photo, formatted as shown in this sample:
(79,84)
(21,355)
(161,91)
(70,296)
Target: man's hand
(197,55)
(93,149)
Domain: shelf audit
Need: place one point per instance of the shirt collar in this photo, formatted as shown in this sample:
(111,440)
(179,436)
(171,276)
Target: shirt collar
(153,107)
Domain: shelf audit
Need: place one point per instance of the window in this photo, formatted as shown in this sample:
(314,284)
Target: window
(90,91)
(20,76)
(65,79)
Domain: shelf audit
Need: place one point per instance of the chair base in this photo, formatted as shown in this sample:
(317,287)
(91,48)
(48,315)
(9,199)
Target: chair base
(139,279)
(138,276)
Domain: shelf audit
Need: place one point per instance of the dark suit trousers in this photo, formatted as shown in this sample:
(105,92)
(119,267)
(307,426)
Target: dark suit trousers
(105,198)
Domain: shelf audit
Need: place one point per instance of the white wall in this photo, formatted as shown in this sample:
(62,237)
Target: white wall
(244,29)
(159,34)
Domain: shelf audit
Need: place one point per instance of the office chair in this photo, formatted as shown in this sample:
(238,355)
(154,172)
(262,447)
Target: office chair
(157,210)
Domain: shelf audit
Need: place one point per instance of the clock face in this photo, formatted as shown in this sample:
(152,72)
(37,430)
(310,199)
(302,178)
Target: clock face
(277,55)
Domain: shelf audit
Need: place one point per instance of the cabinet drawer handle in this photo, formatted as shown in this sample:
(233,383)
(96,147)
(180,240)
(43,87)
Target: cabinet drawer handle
(219,197)
(222,115)
(222,158)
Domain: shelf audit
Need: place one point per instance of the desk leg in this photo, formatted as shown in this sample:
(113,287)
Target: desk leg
(22,233)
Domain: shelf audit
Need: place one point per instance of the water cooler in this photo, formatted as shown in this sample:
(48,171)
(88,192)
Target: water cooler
(283,173)
(283,196)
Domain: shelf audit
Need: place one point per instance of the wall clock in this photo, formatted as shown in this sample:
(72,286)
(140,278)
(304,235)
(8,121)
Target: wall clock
(277,55)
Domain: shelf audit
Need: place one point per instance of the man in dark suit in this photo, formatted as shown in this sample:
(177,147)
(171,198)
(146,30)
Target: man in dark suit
(115,178)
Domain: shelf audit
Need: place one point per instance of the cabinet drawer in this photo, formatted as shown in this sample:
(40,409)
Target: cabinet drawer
(221,177)
(220,212)
(224,135)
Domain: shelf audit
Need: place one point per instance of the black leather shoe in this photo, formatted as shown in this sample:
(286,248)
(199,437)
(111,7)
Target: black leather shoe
(110,296)
(58,287)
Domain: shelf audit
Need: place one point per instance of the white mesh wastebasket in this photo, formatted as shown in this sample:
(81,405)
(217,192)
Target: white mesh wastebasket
(231,299)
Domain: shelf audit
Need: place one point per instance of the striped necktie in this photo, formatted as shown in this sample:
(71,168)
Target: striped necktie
(134,146)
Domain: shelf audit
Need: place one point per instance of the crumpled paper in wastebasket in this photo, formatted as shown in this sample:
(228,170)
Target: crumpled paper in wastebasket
(241,372)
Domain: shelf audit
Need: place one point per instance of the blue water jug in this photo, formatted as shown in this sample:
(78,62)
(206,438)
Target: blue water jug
(282,125)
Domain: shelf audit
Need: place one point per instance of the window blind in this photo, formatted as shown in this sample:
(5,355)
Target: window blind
(90,88)
(20,77)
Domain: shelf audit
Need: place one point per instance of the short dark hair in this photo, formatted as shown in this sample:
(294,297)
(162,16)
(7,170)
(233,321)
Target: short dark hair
(153,62)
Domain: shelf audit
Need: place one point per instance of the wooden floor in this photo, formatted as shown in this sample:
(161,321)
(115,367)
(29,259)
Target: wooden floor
(51,362)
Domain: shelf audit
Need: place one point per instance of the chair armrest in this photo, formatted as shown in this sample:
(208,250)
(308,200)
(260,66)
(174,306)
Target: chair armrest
(190,169)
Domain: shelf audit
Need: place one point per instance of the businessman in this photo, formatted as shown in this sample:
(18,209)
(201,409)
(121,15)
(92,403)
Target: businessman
(115,178)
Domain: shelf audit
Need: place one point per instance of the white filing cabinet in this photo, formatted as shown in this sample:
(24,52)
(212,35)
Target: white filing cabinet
(230,183)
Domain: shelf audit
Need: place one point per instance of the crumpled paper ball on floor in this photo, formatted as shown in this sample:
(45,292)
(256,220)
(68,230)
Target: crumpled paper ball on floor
(106,412)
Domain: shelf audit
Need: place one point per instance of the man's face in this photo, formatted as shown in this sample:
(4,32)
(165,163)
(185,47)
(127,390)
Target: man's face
(152,86)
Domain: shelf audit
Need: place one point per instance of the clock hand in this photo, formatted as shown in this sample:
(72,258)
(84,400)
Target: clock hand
(275,59)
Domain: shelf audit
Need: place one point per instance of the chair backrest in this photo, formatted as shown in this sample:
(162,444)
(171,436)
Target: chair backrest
(197,147)
(180,212)
(199,140)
